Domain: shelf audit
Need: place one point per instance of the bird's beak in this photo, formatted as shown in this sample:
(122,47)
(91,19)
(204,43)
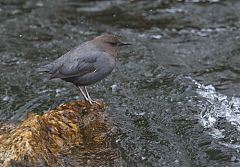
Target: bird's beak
(123,44)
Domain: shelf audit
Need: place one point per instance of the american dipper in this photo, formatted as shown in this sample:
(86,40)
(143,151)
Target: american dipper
(87,63)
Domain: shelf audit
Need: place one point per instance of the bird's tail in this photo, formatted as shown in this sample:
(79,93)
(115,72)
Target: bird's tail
(45,68)
(41,69)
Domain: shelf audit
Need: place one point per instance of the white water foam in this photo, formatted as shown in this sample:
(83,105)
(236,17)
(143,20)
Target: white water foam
(218,106)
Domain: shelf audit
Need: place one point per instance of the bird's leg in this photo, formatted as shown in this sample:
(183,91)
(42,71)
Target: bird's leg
(89,98)
(84,95)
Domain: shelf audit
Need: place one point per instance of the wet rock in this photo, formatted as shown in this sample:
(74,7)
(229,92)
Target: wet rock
(72,134)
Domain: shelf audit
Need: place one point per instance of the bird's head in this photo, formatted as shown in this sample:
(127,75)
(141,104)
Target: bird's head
(109,43)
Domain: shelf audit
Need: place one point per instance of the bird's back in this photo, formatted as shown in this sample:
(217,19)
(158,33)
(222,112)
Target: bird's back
(80,51)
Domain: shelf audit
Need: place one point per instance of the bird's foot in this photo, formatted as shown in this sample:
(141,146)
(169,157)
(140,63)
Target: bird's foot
(93,101)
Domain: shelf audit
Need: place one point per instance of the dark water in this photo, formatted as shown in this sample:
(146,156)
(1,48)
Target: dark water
(176,91)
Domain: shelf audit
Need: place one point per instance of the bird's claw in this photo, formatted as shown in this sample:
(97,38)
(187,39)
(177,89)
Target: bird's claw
(93,101)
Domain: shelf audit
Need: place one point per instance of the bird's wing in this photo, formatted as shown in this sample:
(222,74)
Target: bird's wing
(78,66)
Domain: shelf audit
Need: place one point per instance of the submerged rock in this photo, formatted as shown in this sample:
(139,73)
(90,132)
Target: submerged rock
(73,134)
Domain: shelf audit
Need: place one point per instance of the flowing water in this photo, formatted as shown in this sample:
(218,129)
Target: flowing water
(174,95)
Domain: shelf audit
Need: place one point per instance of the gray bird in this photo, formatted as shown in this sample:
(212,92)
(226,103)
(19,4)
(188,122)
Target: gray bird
(87,63)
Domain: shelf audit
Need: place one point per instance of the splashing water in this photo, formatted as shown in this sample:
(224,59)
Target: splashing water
(218,107)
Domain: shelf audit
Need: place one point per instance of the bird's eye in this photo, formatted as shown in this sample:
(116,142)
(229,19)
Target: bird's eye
(112,43)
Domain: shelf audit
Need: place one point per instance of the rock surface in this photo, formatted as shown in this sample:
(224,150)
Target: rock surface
(73,134)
